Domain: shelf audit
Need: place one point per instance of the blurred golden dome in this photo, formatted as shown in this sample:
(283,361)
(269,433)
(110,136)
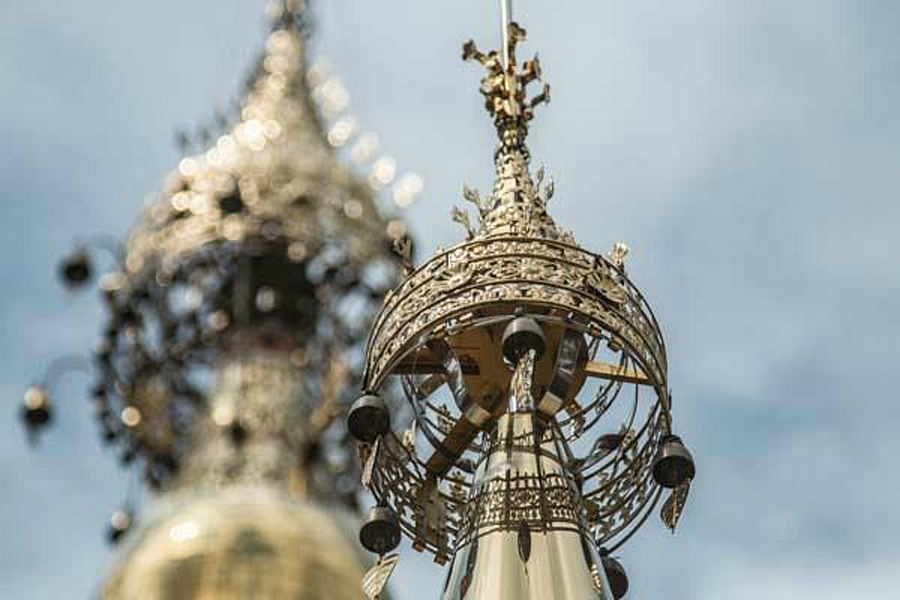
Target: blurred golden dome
(251,543)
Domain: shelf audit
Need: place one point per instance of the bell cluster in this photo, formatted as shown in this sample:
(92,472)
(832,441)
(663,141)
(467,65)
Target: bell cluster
(619,479)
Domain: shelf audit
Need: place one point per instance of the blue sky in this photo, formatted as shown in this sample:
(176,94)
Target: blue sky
(746,150)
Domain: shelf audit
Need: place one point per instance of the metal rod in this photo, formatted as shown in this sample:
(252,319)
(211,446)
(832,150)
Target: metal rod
(110,244)
(71,363)
(505,20)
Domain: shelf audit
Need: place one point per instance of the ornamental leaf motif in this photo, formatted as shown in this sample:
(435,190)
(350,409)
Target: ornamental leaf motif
(377,577)
(674,506)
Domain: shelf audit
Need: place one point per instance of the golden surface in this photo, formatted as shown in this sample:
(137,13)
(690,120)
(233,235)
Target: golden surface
(251,543)
(233,526)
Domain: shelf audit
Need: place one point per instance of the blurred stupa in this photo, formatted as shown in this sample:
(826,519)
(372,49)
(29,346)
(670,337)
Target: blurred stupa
(236,315)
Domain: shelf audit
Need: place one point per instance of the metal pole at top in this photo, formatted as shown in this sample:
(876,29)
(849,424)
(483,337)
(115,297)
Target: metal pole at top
(505,20)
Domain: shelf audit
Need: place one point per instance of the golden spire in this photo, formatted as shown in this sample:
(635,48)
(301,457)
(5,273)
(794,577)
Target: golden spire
(518,203)
(512,349)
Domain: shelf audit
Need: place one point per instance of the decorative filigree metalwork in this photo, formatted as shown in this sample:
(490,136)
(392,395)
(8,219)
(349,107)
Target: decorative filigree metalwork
(487,272)
(594,386)
(543,503)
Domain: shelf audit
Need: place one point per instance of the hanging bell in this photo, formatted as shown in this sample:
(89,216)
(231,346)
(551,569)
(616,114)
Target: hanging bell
(673,464)
(380,531)
(75,269)
(368,418)
(237,433)
(520,336)
(36,409)
(615,574)
(119,524)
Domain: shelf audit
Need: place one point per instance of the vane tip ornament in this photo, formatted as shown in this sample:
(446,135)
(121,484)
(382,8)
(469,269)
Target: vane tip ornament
(671,512)
(376,578)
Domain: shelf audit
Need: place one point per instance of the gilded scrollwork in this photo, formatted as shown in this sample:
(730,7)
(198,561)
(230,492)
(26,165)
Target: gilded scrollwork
(510,271)
(543,502)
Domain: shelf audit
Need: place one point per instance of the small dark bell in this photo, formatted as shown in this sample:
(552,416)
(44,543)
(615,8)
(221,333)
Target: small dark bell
(380,531)
(231,204)
(36,409)
(128,456)
(129,316)
(119,524)
(368,418)
(312,453)
(674,464)
(75,269)
(520,336)
(615,575)
(237,433)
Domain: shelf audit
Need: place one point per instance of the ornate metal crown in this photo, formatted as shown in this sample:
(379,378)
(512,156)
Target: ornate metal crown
(452,333)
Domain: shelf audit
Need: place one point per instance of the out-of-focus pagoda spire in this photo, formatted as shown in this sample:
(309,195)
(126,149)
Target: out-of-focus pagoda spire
(236,314)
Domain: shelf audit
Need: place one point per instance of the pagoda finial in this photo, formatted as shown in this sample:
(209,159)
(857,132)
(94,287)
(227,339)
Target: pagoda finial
(516,206)
(505,86)
(285,14)
(495,343)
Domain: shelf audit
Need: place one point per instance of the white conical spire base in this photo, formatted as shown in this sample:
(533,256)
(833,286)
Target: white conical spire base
(517,550)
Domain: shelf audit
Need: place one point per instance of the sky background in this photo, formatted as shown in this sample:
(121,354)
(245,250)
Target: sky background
(746,150)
